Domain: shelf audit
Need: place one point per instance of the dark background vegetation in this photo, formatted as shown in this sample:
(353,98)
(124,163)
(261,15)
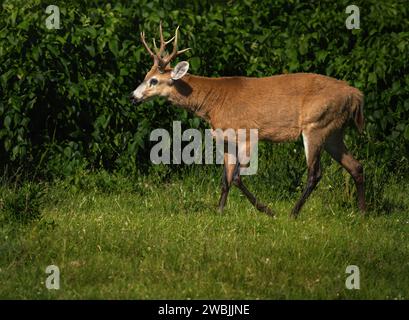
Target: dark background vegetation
(64,93)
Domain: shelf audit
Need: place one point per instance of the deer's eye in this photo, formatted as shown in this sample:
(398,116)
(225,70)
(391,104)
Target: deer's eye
(153,82)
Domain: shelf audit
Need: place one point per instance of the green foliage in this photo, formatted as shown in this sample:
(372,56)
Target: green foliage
(64,93)
(23,203)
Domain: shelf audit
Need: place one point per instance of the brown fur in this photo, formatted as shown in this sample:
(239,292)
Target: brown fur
(281,107)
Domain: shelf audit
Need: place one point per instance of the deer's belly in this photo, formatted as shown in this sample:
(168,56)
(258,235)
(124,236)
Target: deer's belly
(280,134)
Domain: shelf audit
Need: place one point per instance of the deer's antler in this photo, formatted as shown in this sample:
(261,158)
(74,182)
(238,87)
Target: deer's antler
(158,58)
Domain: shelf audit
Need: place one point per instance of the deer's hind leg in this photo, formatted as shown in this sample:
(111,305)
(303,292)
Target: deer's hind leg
(335,146)
(313,146)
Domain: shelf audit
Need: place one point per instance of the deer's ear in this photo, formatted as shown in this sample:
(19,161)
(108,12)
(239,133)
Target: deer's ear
(180,70)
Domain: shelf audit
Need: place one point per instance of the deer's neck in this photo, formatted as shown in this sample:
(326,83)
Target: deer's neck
(201,95)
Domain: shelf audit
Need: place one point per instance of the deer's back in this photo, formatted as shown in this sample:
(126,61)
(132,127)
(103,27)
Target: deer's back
(280,106)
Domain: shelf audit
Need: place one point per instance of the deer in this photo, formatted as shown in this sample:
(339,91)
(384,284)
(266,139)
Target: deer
(281,107)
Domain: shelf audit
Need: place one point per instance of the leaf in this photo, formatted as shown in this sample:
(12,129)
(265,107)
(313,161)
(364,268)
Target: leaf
(91,50)
(406,105)
(113,46)
(303,46)
(406,133)
(195,62)
(321,55)
(67,152)
(7,122)
(401,45)
(372,77)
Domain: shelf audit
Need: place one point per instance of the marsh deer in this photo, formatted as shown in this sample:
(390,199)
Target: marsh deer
(281,107)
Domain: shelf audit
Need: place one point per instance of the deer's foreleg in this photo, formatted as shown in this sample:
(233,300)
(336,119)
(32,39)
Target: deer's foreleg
(259,205)
(251,197)
(227,179)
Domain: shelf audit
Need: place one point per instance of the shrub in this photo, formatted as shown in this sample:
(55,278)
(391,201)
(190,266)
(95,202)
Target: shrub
(64,93)
(24,203)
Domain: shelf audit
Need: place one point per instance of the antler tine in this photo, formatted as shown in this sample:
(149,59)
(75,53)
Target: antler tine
(173,55)
(162,41)
(170,40)
(175,42)
(145,44)
(155,60)
(175,51)
(183,50)
(161,33)
(154,45)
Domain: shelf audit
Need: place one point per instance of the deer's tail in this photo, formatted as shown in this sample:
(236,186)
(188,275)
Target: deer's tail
(356,105)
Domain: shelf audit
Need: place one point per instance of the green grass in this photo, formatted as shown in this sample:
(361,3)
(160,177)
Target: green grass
(117,238)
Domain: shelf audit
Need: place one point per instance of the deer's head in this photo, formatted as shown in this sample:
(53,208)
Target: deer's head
(161,77)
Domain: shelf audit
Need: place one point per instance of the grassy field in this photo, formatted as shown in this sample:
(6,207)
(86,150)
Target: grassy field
(120,238)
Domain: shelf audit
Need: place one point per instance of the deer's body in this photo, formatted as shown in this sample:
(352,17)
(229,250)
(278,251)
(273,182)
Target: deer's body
(281,107)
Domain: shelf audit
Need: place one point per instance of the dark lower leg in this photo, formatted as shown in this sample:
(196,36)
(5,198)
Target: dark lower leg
(336,148)
(225,190)
(259,205)
(358,176)
(361,197)
(356,171)
(229,170)
(314,176)
(239,184)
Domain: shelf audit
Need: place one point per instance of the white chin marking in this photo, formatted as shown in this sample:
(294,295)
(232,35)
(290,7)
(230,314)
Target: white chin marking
(305,140)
